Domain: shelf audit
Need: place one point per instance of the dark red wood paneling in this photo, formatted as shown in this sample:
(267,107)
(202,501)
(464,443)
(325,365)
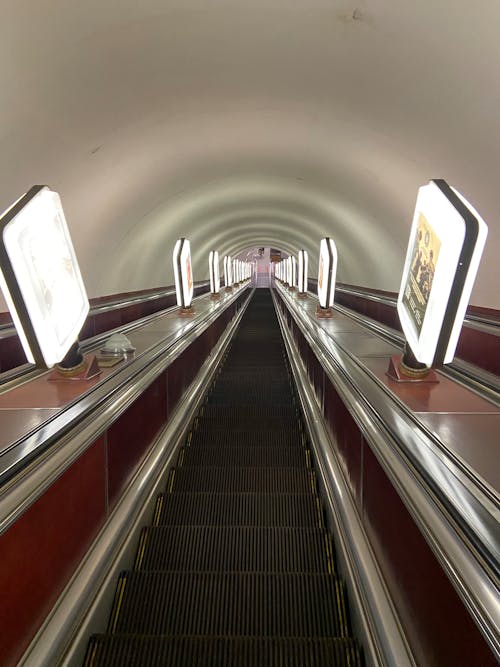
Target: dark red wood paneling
(11,353)
(39,553)
(479,348)
(488,313)
(131,313)
(88,329)
(130,436)
(175,382)
(347,437)
(439,629)
(474,346)
(106,321)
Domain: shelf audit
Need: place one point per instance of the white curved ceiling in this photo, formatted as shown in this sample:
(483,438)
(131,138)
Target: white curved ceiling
(238,124)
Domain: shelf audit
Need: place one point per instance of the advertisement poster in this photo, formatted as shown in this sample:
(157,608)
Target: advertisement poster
(53,279)
(320,273)
(189,273)
(421,274)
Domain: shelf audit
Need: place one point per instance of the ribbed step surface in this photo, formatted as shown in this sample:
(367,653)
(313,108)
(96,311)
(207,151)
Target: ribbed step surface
(238,567)
(235,549)
(141,651)
(255,411)
(239,509)
(239,604)
(243,480)
(233,420)
(243,457)
(238,438)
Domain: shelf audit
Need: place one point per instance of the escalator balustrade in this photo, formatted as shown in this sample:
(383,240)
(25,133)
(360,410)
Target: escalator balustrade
(237,567)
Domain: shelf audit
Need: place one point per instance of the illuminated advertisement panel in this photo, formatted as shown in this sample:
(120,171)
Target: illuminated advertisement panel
(303,260)
(294,272)
(327,272)
(40,276)
(213,266)
(447,238)
(183,273)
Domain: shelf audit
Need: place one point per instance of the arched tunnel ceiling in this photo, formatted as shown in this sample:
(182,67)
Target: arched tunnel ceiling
(238,124)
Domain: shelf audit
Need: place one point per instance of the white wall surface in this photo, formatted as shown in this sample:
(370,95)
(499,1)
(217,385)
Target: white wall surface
(238,123)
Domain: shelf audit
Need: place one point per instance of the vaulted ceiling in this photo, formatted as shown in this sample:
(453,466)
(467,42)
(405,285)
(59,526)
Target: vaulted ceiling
(242,123)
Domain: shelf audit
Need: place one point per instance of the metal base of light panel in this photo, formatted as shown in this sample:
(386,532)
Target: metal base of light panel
(187,312)
(400,372)
(324,313)
(85,371)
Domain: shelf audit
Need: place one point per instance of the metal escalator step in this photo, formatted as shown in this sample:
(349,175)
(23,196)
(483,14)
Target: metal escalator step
(272,373)
(271,365)
(256,410)
(239,509)
(228,604)
(242,480)
(153,651)
(235,549)
(234,369)
(246,438)
(233,420)
(292,457)
(263,403)
(253,401)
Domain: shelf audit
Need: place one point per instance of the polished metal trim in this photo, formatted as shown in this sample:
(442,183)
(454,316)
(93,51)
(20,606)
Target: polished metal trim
(130,301)
(483,383)
(8,329)
(478,322)
(78,612)
(26,372)
(441,497)
(86,419)
(382,636)
(378,298)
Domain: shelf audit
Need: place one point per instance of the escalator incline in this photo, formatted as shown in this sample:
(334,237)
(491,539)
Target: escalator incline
(238,566)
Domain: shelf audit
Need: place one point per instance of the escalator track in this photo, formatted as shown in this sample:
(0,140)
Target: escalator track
(238,566)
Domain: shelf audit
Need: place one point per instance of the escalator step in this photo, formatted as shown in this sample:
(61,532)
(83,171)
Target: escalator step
(239,509)
(253,438)
(232,420)
(293,457)
(225,604)
(235,549)
(147,651)
(263,400)
(247,371)
(242,480)
(238,567)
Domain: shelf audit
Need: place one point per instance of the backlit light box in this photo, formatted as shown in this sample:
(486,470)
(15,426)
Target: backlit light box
(40,277)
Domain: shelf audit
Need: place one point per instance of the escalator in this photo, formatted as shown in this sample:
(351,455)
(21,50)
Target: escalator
(238,566)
